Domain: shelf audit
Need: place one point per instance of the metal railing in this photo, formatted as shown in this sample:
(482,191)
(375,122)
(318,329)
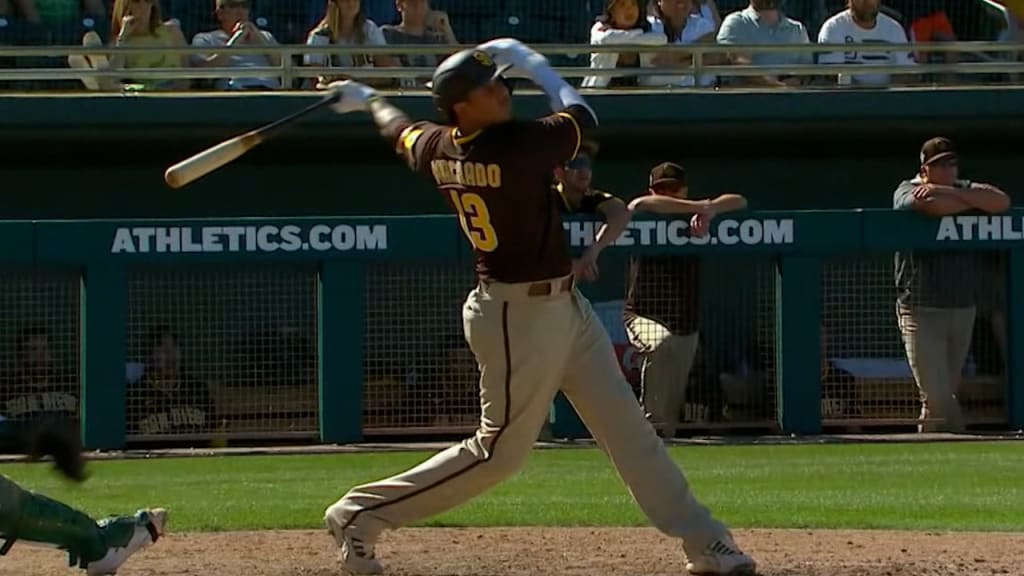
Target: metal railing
(290,69)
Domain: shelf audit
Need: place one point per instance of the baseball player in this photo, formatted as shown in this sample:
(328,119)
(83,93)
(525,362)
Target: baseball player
(100,548)
(531,331)
(661,311)
(573,187)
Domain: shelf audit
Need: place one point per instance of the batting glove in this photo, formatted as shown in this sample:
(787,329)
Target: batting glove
(509,51)
(352,96)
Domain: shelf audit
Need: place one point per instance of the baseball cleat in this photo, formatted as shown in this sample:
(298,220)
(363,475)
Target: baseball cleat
(357,556)
(149,527)
(722,558)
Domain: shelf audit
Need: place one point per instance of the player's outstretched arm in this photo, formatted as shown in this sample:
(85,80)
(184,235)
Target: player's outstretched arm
(356,97)
(671,205)
(509,51)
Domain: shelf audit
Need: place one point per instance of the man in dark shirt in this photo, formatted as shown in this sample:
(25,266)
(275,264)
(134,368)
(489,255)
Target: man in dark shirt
(167,401)
(575,195)
(531,331)
(937,291)
(662,298)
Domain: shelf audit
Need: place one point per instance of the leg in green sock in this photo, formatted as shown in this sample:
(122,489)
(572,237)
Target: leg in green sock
(32,517)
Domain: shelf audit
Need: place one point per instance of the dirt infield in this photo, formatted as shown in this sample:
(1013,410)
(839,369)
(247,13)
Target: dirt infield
(555,552)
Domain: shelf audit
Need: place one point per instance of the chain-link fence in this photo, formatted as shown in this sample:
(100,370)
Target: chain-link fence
(419,373)
(701,333)
(866,375)
(219,351)
(39,344)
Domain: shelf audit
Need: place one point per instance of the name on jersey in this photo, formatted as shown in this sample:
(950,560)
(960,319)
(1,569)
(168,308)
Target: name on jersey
(470,174)
(182,417)
(42,402)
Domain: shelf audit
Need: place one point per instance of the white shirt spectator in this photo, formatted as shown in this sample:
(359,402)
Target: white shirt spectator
(696,27)
(372,33)
(219,39)
(841,29)
(601,34)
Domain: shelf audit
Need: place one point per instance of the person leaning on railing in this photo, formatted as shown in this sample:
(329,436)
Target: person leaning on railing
(621,22)
(937,291)
(344,24)
(235,28)
(662,300)
(135,23)
(762,22)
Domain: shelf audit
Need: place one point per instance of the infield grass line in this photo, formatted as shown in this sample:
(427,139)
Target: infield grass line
(951,486)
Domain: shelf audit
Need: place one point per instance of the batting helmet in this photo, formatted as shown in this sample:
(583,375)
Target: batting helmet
(460,74)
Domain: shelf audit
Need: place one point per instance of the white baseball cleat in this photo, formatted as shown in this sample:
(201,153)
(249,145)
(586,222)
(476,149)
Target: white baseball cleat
(149,527)
(357,556)
(722,558)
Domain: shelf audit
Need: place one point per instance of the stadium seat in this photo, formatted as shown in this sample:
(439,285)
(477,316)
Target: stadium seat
(195,16)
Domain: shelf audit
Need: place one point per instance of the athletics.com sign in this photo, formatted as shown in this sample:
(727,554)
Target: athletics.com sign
(749,232)
(266,238)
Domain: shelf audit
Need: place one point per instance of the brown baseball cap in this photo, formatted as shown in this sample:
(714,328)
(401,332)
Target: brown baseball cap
(937,149)
(668,172)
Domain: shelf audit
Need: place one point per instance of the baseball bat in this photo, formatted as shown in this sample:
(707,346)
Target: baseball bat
(202,163)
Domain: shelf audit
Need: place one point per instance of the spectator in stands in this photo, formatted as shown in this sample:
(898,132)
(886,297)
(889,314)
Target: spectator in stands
(419,25)
(937,291)
(930,23)
(861,23)
(622,22)
(662,300)
(135,23)
(680,24)
(33,387)
(343,24)
(708,10)
(166,400)
(763,23)
(236,28)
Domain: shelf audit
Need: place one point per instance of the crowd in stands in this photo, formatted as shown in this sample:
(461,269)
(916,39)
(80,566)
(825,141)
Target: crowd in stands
(217,23)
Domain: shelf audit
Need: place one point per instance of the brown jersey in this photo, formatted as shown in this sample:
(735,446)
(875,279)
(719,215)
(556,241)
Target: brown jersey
(498,182)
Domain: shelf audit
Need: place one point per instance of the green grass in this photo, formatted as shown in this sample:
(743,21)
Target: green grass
(962,486)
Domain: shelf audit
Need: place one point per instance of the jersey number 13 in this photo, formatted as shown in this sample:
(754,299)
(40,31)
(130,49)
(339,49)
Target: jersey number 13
(475,220)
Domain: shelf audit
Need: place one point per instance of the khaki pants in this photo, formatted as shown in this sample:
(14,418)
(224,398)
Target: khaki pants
(665,372)
(937,341)
(529,348)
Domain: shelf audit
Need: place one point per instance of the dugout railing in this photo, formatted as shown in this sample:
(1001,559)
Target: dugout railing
(337,330)
(975,61)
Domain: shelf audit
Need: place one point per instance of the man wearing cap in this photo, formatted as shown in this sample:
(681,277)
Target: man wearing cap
(662,298)
(235,28)
(532,332)
(937,291)
(575,196)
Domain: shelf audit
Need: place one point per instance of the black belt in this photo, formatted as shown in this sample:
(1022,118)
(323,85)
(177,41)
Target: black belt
(544,288)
